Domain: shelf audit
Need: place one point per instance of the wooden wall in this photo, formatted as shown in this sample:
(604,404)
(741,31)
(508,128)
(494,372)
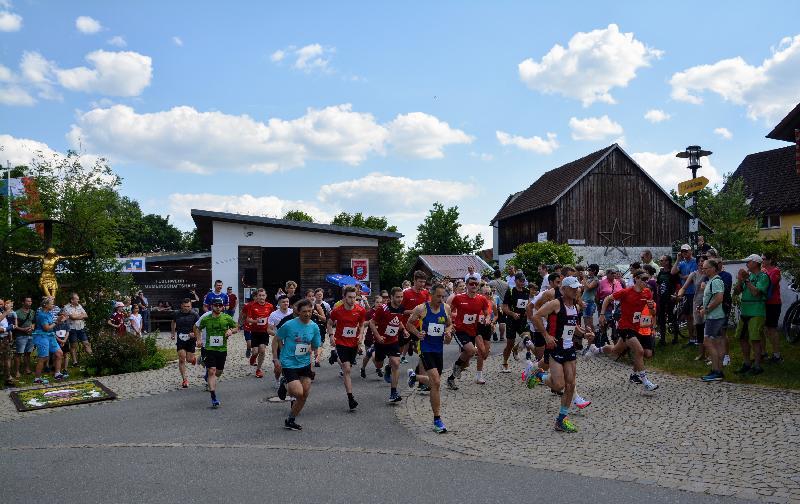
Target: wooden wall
(315,263)
(525,228)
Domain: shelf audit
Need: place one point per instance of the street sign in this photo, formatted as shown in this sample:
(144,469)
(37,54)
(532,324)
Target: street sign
(541,237)
(693,185)
(689,202)
(694,225)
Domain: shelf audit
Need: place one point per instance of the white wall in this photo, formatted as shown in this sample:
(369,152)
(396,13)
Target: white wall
(260,236)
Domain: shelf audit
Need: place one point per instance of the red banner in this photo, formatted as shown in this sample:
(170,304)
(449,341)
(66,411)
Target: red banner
(360,268)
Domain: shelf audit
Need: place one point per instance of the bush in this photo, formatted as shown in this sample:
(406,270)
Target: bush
(529,256)
(112,354)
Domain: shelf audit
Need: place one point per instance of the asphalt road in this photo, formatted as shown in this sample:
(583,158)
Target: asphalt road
(172,447)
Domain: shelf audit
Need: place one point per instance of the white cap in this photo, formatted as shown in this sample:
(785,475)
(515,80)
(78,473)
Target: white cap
(753,257)
(571,282)
(686,246)
(119,304)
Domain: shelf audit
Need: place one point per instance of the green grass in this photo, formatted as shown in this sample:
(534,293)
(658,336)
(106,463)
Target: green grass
(677,360)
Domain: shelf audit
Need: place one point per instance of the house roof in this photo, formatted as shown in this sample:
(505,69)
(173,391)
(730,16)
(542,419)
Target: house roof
(453,266)
(203,219)
(771,179)
(785,129)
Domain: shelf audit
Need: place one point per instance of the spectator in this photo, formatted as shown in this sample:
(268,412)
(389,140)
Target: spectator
(607,286)
(144,309)
(711,309)
(752,284)
(702,246)
(215,294)
(405,285)
(76,318)
(195,300)
(23,336)
(44,339)
(6,326)
(590,284)
(471,273)
(319,295)
(117,320)
(233,301)
(697,279)
(135,321)
(500,287)
(62,338)
(543,273)
(647,258)
(685,265)
(773,306)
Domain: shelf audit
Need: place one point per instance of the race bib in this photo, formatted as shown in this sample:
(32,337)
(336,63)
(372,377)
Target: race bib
(436,330)
(391,330)
(522,303)
(349,332)
(469,319)
(482,319)
(61,333)
(261,321)
(646,321)
(301,349)
(183,337)
(215,341)
(566,335)
(637,317)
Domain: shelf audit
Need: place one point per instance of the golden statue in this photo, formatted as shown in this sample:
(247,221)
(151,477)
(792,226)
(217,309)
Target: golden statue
(47,280)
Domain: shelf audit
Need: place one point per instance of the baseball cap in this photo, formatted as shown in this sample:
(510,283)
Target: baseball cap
(753,257)
(571,282)
(686,246)
(519,276)
(119,304)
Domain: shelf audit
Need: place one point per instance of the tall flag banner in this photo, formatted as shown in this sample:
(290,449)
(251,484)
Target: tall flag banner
(23,198)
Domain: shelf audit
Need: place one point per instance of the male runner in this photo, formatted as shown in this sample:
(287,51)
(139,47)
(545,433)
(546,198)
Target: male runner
(514,307)
(257,317)
(466,308)
(413,297)
(386,326)
(350,319)
(274,321)
(296,340)
(369,339)
(182,330)
(218,327)
(436,331)
(246,329)
(483,342)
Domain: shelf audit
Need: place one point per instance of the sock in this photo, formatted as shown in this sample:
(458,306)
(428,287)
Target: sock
(291,417)
(213,395)
(479,375)
(350,396)
(562,413)
(394,390)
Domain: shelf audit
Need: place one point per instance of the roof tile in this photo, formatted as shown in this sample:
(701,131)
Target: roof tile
(771,180)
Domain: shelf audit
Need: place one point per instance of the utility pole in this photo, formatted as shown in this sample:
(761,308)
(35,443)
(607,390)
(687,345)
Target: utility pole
(693,153)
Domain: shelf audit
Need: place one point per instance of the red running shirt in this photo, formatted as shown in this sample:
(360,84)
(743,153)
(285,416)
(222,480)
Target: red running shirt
(347,324)
(631,305)
(260,313)
(390,322)
(466,311)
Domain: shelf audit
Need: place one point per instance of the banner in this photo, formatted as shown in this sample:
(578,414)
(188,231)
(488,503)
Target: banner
(133,264)
(360,269)
(23,199)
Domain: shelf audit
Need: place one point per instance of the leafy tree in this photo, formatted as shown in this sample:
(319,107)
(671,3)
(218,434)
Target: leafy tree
(140,233)
(438,234)
(528,256)
(297,215)
(190,242)
(390,253)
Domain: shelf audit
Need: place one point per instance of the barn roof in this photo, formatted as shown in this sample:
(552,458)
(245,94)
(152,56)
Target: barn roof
(785,129)
(453,266)
(771,179)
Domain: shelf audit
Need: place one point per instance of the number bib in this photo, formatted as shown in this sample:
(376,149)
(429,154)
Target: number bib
(566,335)
(216,341)
(637,317)
(435,330)
(391,331)
(301,349)
(183,337)
(469,319)
(61,333)
(522,303)
(261,321)
(349,332)
(646,321)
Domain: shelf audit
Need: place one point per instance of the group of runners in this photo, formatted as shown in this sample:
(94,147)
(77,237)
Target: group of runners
(544,323)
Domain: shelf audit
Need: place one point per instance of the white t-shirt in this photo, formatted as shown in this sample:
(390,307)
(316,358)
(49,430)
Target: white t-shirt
(76,325)
(276,317)
(135,322)
(476,276)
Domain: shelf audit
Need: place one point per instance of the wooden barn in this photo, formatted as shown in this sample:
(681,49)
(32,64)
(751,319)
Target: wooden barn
(604,204)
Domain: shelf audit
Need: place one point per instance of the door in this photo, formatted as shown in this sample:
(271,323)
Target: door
(279,265)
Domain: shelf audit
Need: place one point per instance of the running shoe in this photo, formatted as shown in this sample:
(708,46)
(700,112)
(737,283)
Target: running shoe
(412,378)
(282,389)
(333,357)
(649,386)
(451,384)
(387,374)
(363,372)
(775,359)
(438,426)
(403,360)
(395,397)
(541,375)
(253,359)
(41,381)
(565,425)
(457,371)
(316,364)
(528,371)
(58,376)
(185,384)
(259,373)
(352,403)
(423,389)
(634,378)
(528,355)
(581,403)
(290,424)
(480,380)
(712,377)
(215,403)
(379,372)
(505,369)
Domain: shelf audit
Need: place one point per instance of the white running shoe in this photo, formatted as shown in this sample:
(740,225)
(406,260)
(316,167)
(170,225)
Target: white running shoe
(649,386)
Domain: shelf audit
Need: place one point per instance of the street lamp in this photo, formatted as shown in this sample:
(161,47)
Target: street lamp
(693,153)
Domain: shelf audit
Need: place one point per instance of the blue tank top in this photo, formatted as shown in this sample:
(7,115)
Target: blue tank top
(434,325)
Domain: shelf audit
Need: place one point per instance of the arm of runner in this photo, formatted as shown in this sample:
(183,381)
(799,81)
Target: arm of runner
(277,342)
(329,330)
(172,328)
(538,321)
(411,325)
(374,327)
(448,331)
(607,301)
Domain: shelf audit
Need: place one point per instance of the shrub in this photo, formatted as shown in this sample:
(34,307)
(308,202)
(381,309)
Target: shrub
(529,256)
(113,354)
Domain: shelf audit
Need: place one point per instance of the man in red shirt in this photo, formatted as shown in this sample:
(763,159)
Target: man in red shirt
(773,306)
(257,316)
(233,301)
(350,320)
(632,302)
(412,298)
(466,309)
(387,326)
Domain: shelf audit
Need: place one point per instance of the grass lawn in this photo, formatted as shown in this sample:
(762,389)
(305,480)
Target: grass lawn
(678,360)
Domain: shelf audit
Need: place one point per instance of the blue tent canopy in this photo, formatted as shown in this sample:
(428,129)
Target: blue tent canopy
(342,280)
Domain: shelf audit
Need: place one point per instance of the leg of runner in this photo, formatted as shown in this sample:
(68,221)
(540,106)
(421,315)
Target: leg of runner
(484,347)
(511,340)
(348,382)
(248,351)
(467,352)
(394,363)
(299,389)
(501,329)
(262,353)
(637,353)
(567,379)
(213,375)
(182,368)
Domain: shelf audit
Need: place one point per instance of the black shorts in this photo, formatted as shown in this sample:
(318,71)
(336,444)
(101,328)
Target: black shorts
(386,350)
(485,331)
(502,319)
(560,355)
(292,374)
(216,359)
(347,354)
(518,328)
(647,342)
(432,360)
(189,345)
(773,314)
(464,338)
(686,309)
(258,338)
(538,339)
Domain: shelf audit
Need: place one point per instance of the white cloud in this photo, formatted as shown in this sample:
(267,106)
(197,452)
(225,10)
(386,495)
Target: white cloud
(177,41)
(483,156)
(590,66)
(23,151)
(668,170)
(35,68)
(278,55)
(594,128)
(656,116)
(87,25)
(309,58)
(10,22)
(535,143)
(725,133)
(15,96)
(123,73)
(485,231)
(118,41)
(423,136)
(768,91)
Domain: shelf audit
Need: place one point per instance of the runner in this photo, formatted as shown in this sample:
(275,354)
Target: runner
(320,317)
(538,342)
(208,301)
(218,327)
(589,295)
(633,301)
(486,326)
(386,326)
(273,321)
(562,326)
(436,331)
(466,308)
(369,340)
(257,317)
(500,287)
(514,307)
(246,329)
(182,330)
(350,320)
(412,297)
(295,341)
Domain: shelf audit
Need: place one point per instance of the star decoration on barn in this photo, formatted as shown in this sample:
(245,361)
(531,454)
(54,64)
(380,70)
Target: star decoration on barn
(616,238)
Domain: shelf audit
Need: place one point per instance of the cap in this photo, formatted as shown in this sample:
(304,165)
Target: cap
(217,301)
(686,246)
(119,304)
(571,282)
(519,276)
(753,257)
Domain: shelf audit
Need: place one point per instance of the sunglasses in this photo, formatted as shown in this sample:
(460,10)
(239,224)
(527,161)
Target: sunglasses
(644,278)
(472,283)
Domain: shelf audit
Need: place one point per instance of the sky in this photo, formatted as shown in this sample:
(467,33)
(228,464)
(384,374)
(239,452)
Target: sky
(385,108)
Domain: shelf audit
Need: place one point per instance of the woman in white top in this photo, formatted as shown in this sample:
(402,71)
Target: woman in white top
(135,321)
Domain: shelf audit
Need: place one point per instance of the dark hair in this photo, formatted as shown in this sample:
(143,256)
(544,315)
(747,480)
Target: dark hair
(186,300)
(497,273)
(636,265)
(771,256)
(649,269)
(594,267)
(217,281)
(302,304)
(552,277)
(282,297)
(395,290)
(309,291)
(436,286)
(348,289)
(420,275)
(319,289)
(668,258)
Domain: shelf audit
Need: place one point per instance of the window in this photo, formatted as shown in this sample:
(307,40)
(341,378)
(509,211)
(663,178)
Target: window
(796,236)
(770,222)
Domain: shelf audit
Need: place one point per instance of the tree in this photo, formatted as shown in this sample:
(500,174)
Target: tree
(438,234)
(140,233)
(390,252)
(297,215)
(190,242)
(528,256)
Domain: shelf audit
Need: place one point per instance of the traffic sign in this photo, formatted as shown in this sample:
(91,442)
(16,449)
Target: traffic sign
(694,225)
(693,185)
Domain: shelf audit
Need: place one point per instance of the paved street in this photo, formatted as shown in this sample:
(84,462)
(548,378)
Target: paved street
(153,448)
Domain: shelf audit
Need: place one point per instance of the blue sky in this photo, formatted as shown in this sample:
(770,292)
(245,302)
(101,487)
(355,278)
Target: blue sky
(259,107)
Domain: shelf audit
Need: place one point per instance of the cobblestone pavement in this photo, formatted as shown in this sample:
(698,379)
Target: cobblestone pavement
(721,439)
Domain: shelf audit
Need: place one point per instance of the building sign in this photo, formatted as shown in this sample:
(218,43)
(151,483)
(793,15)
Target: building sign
(133,264)
(541,237)
(576,241)
(694,225)
(360,268)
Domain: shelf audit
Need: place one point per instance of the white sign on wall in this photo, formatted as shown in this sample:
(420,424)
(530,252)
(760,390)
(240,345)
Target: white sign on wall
(576,241)
(542,237)
(694,225)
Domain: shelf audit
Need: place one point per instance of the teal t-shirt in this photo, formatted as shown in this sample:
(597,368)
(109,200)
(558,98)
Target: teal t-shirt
(755,306)
(713,287)
(297,341)
(216,327)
